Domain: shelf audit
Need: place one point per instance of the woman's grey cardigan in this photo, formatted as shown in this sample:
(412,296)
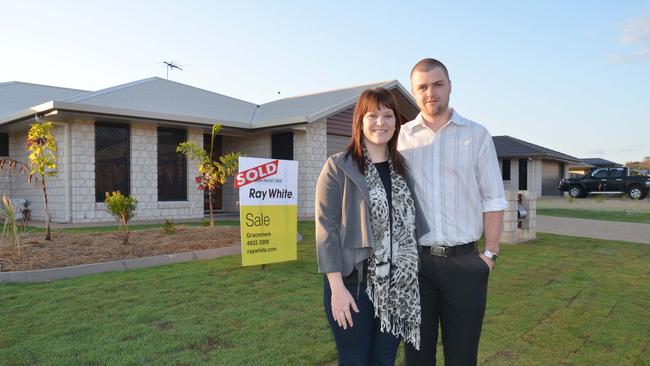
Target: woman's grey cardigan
(343,231)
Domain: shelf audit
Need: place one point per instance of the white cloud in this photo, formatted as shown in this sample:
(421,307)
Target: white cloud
(641,55)
(636,32)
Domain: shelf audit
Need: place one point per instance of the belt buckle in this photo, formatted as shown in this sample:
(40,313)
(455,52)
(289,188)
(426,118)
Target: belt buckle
(439,251)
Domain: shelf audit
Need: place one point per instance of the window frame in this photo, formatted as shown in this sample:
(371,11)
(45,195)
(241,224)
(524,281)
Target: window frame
(127,167)
(506,163)
(4,144)
(278,138)
(184,196)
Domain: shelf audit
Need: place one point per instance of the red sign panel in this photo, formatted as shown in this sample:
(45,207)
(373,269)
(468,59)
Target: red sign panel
(256,173)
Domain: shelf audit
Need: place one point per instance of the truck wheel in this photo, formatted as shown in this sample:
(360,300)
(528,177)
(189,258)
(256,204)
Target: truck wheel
(635,193)
(575,191)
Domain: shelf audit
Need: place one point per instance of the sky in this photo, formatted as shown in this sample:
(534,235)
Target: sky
(573,76)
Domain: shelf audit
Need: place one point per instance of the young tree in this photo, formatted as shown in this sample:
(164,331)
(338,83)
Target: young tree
(123,209)
(212,173)
(42,161)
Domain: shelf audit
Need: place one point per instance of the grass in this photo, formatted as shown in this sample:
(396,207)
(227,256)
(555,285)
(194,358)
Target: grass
(555,301)
(622,216)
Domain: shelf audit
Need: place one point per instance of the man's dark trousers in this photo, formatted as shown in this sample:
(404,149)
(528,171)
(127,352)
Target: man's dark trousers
(453,292)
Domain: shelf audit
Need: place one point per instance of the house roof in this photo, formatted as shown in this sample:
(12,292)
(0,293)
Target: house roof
(156,98)
(510,147)
(17,96)
(598,162)
(311,107)
(168,97)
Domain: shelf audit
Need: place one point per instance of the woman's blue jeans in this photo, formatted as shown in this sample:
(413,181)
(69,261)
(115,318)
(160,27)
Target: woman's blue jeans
(364,343)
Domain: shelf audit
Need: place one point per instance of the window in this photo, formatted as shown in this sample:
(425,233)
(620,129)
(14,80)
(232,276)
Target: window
(112,170)
(505,169)
(523,174)
(600,173)
(616,173)
(172,166)
(282,146)
(4,144)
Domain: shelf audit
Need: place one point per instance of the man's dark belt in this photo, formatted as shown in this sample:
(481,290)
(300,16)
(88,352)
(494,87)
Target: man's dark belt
(442,251)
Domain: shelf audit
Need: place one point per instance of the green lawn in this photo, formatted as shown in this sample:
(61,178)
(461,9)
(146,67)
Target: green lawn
(555,301)
(623,216)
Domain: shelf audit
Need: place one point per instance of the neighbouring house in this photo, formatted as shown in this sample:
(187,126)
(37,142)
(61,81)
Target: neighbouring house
(124,138)
(588,164)
(529,167)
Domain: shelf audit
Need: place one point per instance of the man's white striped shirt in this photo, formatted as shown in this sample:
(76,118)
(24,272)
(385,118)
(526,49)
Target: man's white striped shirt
(455,177)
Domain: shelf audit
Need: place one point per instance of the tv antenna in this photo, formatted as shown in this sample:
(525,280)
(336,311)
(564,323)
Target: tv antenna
(171,65)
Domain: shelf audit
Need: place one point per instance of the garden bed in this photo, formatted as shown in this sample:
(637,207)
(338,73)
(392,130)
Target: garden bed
(71,249)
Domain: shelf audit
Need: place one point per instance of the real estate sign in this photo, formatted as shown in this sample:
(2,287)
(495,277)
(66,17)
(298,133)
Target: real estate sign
(268,210)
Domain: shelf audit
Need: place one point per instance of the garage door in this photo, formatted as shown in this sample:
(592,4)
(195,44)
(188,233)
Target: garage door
(336,143)
(550,177)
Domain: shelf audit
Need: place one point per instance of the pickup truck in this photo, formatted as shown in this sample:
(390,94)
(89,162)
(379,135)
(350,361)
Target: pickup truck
(607,181)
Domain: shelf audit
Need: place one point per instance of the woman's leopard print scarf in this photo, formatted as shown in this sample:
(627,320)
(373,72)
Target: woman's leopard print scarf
(393,268)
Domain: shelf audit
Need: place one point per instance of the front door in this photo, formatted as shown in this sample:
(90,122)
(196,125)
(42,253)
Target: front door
(597,180)
(216,153)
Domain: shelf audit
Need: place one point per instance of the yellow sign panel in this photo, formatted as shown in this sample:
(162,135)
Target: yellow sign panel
(269,234)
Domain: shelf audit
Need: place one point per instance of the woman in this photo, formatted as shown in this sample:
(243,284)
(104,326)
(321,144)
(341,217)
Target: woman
(365,238)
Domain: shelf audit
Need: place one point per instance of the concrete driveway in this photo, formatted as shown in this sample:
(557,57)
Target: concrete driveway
(609,230)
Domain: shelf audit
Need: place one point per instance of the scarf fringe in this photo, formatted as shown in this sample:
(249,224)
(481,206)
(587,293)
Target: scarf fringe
(393,324)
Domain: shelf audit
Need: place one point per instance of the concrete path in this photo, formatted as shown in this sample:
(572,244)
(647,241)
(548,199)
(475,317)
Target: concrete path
(609,230)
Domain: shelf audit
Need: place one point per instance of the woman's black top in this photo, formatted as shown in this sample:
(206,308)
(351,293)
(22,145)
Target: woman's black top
(384,173)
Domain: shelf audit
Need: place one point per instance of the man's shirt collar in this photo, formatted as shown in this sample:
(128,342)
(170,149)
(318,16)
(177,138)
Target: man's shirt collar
(418,122)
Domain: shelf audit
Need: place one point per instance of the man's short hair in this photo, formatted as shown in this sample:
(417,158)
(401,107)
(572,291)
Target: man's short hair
(428,64)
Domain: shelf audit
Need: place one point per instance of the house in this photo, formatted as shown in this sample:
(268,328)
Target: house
(588,164)
(526,166)
(124,138)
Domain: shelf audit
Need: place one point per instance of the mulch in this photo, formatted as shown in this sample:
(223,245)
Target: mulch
(71,249)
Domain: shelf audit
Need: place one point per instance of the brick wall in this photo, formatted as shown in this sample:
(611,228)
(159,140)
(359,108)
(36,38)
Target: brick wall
(143,176)
(20,188)
(310,149)
(143,172)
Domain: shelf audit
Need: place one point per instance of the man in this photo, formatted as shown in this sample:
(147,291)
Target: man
(457,182)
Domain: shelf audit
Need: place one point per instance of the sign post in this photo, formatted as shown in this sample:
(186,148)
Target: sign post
(268,210)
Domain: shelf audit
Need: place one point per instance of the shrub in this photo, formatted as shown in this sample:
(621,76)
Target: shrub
(123,209)
(10,229)
(205,222)
(168,227)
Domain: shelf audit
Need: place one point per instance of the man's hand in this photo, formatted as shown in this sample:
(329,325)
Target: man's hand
(488,261)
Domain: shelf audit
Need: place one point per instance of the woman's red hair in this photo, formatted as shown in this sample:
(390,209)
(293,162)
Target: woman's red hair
(371,100)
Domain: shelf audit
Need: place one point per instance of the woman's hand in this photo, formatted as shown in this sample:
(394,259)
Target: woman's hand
(342,301)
